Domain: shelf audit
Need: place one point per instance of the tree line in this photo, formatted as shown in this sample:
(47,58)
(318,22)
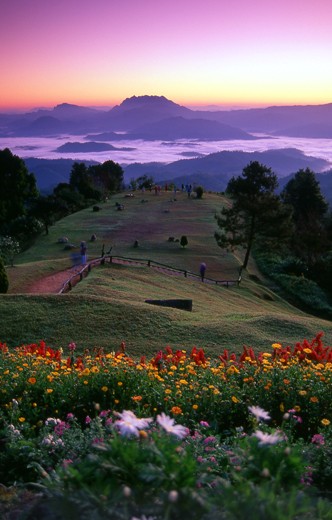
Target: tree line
(292,229)
(25,212)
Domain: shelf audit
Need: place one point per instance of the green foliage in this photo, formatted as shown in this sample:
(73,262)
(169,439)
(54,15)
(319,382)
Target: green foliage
(291,275)
(9,247)
(96,181)
(4,284)
(310,239)
(18,187)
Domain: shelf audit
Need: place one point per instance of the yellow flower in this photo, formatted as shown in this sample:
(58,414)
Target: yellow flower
(325,422)
(235,399)
(183,382)
(307,350)
(21,419)
(104,388)
(49,390)
(303,392)
(85,382)
(297,408)
(116,401)
(120,383)
(195,406)
(168,391)
(276,346)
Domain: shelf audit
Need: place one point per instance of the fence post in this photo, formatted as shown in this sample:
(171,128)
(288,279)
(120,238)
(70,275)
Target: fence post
(149,263)
(185,274)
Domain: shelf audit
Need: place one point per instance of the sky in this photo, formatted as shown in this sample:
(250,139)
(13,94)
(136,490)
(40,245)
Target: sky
(231,53)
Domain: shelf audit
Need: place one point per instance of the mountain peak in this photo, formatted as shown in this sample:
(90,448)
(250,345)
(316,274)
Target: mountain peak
(144,101)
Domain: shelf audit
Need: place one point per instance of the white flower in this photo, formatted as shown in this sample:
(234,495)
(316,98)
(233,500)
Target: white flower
(168,424)
(129,424)
(259,413)
(267,438)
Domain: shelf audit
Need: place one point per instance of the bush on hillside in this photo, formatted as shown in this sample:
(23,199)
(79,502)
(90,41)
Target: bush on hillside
(199,192)
(4,284)
(184,241)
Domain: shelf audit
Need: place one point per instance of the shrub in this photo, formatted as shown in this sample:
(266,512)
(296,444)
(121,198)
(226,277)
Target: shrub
(3,278)
(199,192)
(184,241)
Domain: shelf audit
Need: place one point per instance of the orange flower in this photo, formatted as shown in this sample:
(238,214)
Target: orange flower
(176,410)
(32,380)
(325,422)
(314,399)
(137,398)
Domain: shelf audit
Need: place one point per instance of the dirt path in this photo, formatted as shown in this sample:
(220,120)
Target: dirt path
(50,284)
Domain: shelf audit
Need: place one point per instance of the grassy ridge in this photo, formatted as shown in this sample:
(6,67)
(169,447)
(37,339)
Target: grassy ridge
(109,305)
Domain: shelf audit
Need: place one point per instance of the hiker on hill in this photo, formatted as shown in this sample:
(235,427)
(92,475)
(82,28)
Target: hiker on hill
(83,249)
(202,270)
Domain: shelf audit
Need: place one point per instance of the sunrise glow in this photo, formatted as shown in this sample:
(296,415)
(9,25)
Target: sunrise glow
(215,52)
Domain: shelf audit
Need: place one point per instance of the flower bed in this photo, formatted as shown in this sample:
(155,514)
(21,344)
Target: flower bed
(168,430)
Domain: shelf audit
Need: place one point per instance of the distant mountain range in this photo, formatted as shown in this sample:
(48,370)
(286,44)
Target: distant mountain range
(155,117)
(212,171)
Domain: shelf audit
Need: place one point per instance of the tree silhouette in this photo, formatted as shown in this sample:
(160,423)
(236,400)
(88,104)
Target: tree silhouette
(256,214)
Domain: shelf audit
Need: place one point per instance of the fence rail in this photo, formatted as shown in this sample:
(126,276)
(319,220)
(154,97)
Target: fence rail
(78,276)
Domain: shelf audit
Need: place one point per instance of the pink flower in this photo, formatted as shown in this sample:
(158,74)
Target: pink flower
(204,424)
(318,439)
(88,420)
(72,346)
(168,424)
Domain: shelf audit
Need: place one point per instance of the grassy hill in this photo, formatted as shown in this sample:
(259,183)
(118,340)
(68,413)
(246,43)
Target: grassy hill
(109,305)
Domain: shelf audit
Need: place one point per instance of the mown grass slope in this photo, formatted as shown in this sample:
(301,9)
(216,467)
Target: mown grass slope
(109,305)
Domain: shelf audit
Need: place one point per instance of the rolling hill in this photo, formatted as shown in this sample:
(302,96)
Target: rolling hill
(108,306)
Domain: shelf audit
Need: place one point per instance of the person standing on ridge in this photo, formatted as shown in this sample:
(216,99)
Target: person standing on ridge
(202,270)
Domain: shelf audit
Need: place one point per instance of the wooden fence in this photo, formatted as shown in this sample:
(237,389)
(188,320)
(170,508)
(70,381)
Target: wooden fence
(84,271)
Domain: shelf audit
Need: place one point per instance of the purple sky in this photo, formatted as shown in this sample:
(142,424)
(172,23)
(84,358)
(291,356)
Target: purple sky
(226,52)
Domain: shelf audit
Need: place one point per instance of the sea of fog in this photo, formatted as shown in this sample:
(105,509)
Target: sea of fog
(160,151)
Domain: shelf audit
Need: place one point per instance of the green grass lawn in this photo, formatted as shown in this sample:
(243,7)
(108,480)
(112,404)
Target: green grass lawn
(109,305)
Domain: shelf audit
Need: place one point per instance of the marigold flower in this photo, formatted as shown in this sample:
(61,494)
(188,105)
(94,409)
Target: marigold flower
(176,410)
(325,422)
(195,406)
(21,419)
(32,380)
(137,398)
(120,383)
(314,399)
(49,390)
(276,346)
(104,388)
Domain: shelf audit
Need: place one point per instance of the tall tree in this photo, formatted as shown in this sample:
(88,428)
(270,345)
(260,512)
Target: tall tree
(309,206)
(18,187)
(256,214)
(107,177)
